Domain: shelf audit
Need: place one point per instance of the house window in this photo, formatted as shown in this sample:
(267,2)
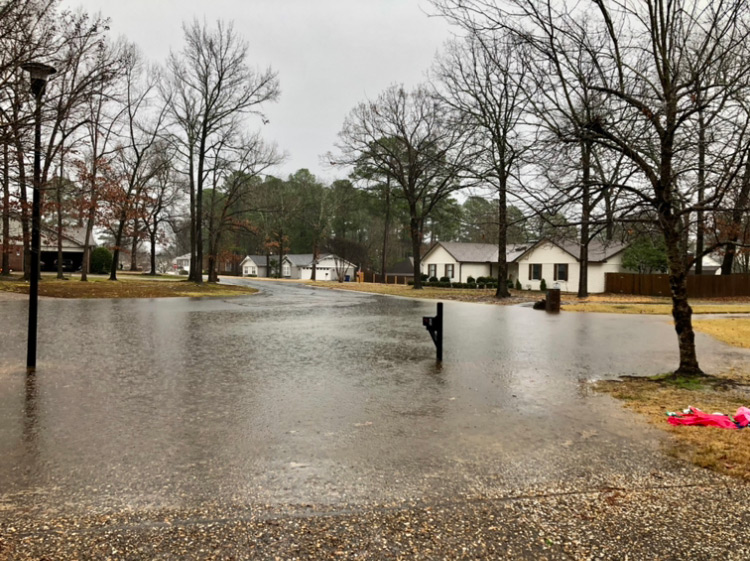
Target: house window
(228,266)
(253,271)
(431,270)
(449,271)
(286,270)
(247,270)
(535,271)
(561,272)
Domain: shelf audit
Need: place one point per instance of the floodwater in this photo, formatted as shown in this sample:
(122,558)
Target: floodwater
(299,395)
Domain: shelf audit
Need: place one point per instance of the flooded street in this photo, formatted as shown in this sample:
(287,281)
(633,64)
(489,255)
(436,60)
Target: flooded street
(300,396)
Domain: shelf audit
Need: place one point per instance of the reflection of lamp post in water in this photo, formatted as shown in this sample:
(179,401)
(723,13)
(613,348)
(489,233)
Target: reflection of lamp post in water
(39,73)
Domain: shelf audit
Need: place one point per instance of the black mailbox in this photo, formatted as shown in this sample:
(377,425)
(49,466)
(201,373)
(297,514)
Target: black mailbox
(434,325)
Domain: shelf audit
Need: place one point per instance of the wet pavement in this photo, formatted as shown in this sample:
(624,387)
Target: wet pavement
(304,414)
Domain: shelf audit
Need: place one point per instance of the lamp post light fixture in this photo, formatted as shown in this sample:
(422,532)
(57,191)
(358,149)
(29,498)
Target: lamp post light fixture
(39,73)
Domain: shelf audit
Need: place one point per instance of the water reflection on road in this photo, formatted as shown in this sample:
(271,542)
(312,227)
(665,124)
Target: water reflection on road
(299,395)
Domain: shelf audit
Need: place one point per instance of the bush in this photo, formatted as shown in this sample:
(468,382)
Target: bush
(543,285)
(471,284)
(518,285)
(101,260)
(433,279)
(457,285)
(509,283)
(471,280)
(445,279)
(183,272)
(423,276)
(411,283)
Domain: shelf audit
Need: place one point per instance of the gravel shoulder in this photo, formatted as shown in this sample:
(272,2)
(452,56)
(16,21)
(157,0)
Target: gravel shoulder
(663,520)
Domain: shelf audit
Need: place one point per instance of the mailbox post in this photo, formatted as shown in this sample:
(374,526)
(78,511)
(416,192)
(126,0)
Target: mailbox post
(435,326)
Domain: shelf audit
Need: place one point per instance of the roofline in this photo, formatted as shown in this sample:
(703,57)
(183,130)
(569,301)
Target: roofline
(576,257)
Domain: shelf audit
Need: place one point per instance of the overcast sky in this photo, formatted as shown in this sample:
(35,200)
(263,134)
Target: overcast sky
(329,54)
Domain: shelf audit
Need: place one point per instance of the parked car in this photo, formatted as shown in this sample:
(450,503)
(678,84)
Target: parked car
(67,265)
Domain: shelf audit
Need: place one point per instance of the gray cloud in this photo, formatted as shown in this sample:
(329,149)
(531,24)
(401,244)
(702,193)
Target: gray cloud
(330,55)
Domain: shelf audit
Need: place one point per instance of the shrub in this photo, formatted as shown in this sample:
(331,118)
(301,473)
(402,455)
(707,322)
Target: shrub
(101,260)
(471,284)
(509,283)
(411,283)
(471,280)
(423,276)
(433,279)
(183,272)
(445,279)
(543,285)
(518,285)
(457,285)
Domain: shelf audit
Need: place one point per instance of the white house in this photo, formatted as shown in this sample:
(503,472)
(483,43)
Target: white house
(459,261)
(255,265)
(555,262)
(327,267)
(182,262)
(299,266)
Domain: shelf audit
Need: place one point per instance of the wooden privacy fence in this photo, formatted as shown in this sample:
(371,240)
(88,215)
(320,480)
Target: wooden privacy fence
(699,286)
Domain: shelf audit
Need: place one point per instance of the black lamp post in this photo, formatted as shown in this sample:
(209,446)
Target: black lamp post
(39,73)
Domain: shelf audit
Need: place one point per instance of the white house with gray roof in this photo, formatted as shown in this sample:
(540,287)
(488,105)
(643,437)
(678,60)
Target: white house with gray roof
(255,265)
(555,262)
(299,266)
(327,267)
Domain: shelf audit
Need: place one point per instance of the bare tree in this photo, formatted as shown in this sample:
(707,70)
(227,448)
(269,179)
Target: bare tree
(236,173)
(137,159)
(412,139)
(483,79)
(211,90)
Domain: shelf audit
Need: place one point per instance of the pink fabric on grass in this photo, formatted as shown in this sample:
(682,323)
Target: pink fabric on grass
(742,416)
(698,417)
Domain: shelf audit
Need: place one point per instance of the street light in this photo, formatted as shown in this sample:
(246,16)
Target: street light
(39,73)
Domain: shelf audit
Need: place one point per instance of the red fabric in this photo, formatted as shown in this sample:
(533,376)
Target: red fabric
(698,417)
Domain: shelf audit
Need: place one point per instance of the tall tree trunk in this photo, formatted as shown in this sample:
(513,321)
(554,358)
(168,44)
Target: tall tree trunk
(152,237)
(58,195)
(700,226)
(738,212)
(6,211)
(118,244)
(583,257)
(199,210)
(681,310)
(386,226)
(415,229)
(134,245)
(502,239)
(675,231)
(90,218)
(193,253)
(25,218)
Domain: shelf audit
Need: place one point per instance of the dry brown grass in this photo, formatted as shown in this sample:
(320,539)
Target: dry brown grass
(655,309)
(458,294)
(725,451)
(126,287)
(734,331)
